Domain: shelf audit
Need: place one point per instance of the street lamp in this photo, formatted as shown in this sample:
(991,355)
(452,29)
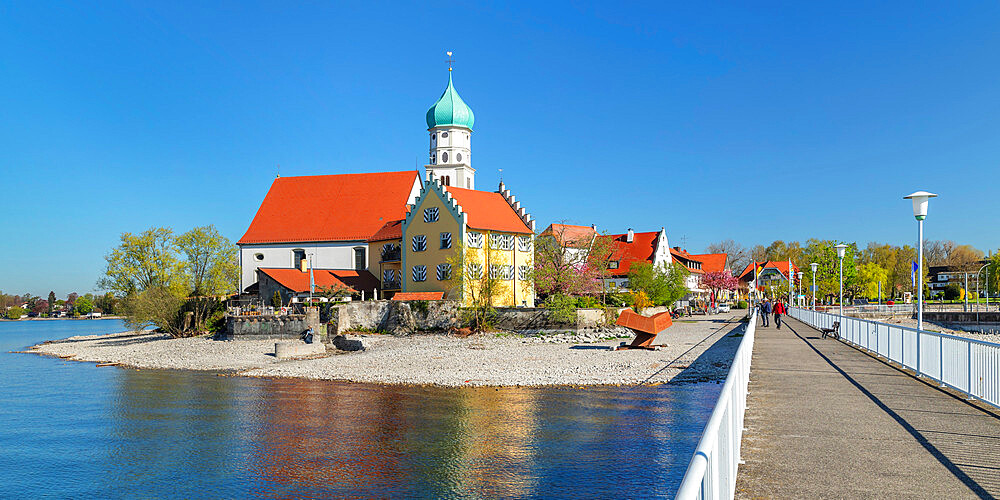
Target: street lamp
(841,250)
(920,199)
(799,274)
(814,266)
(987,290)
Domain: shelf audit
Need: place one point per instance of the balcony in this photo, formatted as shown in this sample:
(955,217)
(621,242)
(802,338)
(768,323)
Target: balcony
(391,285)
(393,255)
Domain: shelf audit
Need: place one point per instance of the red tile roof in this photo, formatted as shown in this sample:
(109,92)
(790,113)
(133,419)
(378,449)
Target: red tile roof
(418,296)
(642,249)
(298,281)
(488,211)
(392,230)
(646,324)
(330,207)
(781,266)
(712,262)
(571,236)
(685,258)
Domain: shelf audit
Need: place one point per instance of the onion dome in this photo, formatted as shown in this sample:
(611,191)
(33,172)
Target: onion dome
(450,110)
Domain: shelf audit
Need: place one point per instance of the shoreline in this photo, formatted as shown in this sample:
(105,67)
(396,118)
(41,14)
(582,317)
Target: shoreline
(697,350)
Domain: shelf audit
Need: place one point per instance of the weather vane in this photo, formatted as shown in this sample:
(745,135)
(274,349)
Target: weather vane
(450,60)
(501,174)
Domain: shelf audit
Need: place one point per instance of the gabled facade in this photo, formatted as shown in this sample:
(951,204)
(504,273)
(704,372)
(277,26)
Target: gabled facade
(385,249)
(629,248)
(771,276)
(494,232)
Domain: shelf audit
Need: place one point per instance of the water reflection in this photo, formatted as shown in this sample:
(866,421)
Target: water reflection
(112,432)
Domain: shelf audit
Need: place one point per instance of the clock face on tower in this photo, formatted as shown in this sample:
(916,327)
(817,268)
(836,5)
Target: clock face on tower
(458,157)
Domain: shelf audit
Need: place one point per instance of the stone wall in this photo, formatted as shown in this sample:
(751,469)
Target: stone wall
(289,326)
(525,319)
(958,317)
(395,317)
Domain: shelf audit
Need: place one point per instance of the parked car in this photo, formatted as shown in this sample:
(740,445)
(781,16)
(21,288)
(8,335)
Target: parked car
(724,307)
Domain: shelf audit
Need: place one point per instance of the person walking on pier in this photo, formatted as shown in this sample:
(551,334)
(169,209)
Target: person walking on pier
(765,310)
(779,309)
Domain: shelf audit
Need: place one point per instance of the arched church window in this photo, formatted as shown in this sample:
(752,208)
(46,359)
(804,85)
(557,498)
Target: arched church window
(447,180)
(458,157)
(444,157)
(444,134)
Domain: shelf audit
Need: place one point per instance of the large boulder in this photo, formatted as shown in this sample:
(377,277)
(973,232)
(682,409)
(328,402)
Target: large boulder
(401,320)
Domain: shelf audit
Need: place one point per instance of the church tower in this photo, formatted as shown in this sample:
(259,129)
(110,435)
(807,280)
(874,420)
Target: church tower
(449,122)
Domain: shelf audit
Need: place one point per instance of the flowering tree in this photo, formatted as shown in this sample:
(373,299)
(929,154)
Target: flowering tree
(561,268)
(717,281)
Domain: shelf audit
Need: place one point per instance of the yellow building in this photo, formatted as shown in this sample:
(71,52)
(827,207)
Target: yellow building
(488,233)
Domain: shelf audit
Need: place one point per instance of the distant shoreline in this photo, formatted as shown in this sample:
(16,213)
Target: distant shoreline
(61,319)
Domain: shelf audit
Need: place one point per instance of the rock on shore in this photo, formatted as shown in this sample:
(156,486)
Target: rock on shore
(700,350)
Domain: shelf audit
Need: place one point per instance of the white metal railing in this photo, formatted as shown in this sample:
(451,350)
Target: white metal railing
(712,470)
(968,365)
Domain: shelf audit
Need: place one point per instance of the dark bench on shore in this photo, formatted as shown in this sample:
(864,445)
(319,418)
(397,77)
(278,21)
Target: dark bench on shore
(832,332)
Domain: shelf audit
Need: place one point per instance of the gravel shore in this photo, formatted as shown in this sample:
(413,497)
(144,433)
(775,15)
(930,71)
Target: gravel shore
(698,350)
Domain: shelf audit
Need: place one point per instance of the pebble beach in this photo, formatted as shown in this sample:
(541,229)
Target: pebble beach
(697,349)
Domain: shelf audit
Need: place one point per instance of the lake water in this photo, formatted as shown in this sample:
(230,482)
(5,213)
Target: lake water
(69,429)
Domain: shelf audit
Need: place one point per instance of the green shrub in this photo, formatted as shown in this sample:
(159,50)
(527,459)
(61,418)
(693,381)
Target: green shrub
(741,304)
(618,299)
(952,291)
(562,308)
(588,302)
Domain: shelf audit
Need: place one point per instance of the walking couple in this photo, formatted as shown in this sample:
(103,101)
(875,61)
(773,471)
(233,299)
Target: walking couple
(765,308)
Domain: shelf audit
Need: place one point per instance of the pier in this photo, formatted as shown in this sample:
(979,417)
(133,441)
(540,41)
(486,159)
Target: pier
(825,419)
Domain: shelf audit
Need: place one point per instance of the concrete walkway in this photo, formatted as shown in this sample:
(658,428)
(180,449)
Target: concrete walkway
(825,420)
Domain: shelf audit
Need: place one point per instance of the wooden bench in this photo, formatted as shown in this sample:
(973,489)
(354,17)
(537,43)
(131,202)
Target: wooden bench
(833,332)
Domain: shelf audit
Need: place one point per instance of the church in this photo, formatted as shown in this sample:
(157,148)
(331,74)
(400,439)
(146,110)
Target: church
(379,235)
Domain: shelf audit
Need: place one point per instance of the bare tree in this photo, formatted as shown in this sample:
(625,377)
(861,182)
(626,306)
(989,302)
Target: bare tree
(739,257)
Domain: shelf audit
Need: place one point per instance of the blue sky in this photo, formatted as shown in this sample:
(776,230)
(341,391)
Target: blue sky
(777,121)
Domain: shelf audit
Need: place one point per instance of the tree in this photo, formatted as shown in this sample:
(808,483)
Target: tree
(84,306)
(195,269)
(738,255)
(823,253)
(107,303)
(562,266)
(476,284)
(662,285)
(41,307)
(15,313)
(870,275)
(952,291)
(71,299)
(718,281)
(209,268)
(51,303)
(141,262)
(276,299)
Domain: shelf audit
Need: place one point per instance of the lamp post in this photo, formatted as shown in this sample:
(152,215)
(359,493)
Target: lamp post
(987,290)
(814,266)
(920,199)
(841,250)
(799,294)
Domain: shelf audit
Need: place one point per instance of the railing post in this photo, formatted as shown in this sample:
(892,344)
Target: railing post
(968,365)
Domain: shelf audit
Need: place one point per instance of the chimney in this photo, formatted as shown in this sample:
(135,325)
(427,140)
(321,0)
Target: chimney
(594,227)
(630,236)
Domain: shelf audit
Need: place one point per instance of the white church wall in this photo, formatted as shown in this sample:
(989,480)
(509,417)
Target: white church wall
(330,255)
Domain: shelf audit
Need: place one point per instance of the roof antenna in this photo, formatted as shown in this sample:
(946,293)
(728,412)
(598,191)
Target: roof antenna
(278,175)
(450,60)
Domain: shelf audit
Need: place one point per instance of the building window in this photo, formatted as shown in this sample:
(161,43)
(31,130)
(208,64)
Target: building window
(419,243)
(431,214)
(468,183)
(458,157)
(432,158)
(612,264)
(524,243)
(445,241)
(475,240)
(447,180)
(360,260)
(501,272)
(444,157)
(258,256)
(624,283)
(298,255)
(390,251)
(419,273)
(444,134)
(523,272)
(443,272)
(475,270)
(502,241)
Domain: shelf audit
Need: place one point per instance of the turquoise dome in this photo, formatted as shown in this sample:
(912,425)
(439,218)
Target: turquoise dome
(450,110)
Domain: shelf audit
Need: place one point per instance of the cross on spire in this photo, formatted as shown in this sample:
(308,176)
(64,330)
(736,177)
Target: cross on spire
(450,60)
